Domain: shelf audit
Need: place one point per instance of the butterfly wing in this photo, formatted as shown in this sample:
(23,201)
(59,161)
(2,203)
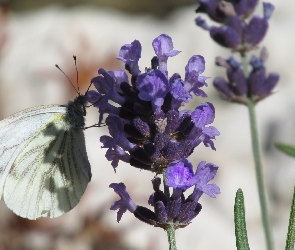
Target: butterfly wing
(51,171)
(17,129)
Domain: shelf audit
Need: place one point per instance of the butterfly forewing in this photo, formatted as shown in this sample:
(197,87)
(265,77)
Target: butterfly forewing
(51,172)
(17,129)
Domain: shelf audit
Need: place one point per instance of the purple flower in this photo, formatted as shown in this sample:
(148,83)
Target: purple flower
(125,203)
(204,174)
(261,86)
(193,80)
(236,77)
(179,175)
(176,210)
(203,115)
(153,86)
(120,76)
(238,88)
(116,154)
(224,88)
(130,54)
(106,87)
(179,94)
(116,129)
(211,7)
(268,9)
(235,32)
(163,47)
(255,31)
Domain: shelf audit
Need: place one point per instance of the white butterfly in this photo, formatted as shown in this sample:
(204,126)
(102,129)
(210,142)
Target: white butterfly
(44,168)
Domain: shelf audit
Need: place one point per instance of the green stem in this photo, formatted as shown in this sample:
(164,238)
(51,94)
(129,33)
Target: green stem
(171,238)
(245,64)
(291,228)
(170,231)
(259,175)
(166,189)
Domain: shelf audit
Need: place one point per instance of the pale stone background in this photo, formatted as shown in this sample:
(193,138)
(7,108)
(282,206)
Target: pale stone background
(34,41)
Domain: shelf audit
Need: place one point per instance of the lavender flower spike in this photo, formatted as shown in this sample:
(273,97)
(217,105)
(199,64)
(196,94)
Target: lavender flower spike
(163,47)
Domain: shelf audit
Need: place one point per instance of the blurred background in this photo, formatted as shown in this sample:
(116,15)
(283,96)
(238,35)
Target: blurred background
(36,35)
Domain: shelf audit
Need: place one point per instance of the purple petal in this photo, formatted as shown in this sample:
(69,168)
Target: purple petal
(120,76)
(211,7)
(236,77)
(244,7)
(93,97)
(163,47)
(151,199)
(178,91)
(115,125)
(179,174)
(116,129)
(268,9)
(270,82)
(211,131)
(153,86)
(196,65)
(193,80)
(204,174)
(115,155)
(202,23)
(225,36)
(255,30)
(203,114)
(105,83)
(223,87)
(124,203)
(130,54)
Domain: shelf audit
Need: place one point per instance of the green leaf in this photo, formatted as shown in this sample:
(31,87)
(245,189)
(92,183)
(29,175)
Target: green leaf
(291,229)
(240,222)
(286,148)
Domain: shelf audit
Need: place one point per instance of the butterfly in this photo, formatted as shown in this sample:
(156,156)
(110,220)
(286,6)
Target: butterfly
(44,167)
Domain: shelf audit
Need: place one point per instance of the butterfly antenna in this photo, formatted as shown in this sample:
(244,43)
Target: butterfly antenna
(92,104)
(75,59)
(89,87)
(68,78)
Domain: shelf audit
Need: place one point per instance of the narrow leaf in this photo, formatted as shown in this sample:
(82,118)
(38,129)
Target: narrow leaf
(291,229)
(286,148)
(240,222)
